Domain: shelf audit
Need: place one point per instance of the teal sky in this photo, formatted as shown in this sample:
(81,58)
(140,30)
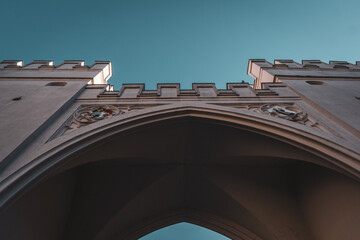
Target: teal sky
(151,41)
(161,41)
(184,231)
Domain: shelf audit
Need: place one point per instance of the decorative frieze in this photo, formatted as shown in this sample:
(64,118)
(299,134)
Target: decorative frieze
(92,113)
(88,114)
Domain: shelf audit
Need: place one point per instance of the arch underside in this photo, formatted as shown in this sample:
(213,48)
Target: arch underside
(232,180)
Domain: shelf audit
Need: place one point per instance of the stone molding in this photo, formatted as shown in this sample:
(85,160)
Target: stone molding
(91,113)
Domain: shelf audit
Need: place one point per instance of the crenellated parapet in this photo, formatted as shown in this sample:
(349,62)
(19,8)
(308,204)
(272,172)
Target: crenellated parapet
(265,72)
(97,73)
(199,91)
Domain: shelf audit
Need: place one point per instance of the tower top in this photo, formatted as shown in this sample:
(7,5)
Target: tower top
(265,72)
(97,73)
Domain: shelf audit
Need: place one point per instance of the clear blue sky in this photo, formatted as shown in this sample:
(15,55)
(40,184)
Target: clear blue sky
(184,231)
(185,41)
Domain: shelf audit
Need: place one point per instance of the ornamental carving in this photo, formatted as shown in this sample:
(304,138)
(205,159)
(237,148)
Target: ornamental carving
(89,114)
(287,111)
(291,113)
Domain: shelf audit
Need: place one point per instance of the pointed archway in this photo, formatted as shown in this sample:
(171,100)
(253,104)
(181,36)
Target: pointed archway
(241,181)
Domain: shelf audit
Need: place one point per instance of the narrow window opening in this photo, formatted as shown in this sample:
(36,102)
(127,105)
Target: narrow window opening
(315,82)
(56,84)
(17,98)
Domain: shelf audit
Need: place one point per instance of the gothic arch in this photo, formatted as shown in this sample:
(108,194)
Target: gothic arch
(60,154)
(215,223)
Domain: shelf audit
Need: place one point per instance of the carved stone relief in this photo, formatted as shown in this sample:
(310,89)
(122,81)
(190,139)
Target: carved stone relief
(90,114)
(87,114)
(287,111)
(292,113)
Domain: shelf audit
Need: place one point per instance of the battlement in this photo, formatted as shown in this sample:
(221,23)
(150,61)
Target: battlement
(199,91)
(265,72)
(97,73)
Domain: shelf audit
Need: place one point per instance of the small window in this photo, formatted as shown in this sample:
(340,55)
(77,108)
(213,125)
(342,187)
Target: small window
(17,98)
(56,84)
(315,82)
